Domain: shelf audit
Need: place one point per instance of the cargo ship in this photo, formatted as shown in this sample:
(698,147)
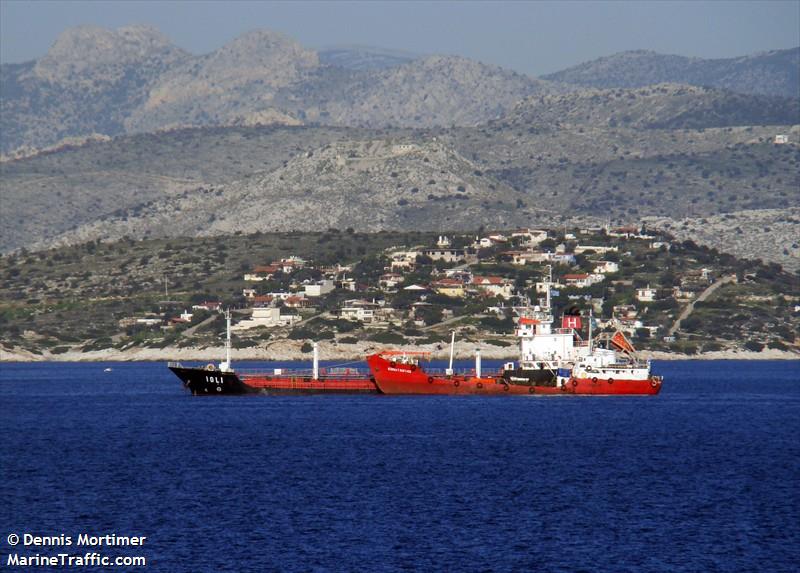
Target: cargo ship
(222,379)
(552,361)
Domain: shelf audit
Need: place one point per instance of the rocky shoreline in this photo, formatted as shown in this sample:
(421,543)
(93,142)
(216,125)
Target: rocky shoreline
(290,350)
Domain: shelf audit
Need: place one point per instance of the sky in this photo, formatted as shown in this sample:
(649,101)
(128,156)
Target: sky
(530,37)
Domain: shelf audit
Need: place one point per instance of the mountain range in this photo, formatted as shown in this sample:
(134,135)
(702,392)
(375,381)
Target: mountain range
(133,79)
(768,73)
(120,133)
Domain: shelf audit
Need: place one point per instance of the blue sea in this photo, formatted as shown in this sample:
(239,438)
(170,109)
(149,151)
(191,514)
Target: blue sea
(703,477)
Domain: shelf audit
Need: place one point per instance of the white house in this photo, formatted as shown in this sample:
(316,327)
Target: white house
(361,310)
(646,294)
(208,305)
(530,237)
(446,255)
(596,248)
(390,280)
(606,267)
(528,257)
(320,288)
(262,273)
(495,286)
(266,316)
(403,260)
(348,284)
(582,280)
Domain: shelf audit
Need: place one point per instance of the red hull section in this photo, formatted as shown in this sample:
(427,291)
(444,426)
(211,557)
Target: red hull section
(602,387)
(301,385)
(400,378)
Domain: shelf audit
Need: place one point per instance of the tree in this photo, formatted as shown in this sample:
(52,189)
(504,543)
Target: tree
(753,346)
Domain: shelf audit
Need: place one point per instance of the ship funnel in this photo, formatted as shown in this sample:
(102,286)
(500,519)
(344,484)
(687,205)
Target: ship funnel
(477,362)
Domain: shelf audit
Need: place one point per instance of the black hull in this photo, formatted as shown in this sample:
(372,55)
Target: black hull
(530,377)
(206,382)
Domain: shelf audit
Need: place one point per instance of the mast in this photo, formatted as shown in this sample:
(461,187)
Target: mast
(477,362)
(549,283)
(452,348)
(590,330)
(226,366)
(316,361)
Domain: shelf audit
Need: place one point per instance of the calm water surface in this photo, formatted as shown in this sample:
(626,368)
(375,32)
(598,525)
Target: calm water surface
(704,477)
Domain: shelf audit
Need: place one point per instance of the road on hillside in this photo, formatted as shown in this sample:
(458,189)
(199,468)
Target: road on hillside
(703,296)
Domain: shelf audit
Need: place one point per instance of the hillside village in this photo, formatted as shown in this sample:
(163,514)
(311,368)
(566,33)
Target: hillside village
(642,282)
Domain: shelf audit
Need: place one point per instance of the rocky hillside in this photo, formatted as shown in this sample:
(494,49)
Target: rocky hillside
(769,73)
(663,106)
(217,180)
(369,185)
(766,234)
(133,80)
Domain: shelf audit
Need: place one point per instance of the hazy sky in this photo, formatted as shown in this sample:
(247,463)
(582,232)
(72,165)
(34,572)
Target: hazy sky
(532,37)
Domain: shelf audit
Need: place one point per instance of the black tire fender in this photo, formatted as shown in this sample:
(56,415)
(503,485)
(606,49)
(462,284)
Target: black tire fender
(456,383)
(610,380)
(430,379)
(575,381)
(594,380)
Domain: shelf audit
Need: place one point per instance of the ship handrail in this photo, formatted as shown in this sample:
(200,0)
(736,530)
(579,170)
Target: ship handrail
(173,364)
(463,372)
(333,373)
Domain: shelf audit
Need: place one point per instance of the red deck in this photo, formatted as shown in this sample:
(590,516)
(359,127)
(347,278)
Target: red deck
(347,381)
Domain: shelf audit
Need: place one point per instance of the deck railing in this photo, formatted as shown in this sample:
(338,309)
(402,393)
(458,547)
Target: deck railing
(327,373)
